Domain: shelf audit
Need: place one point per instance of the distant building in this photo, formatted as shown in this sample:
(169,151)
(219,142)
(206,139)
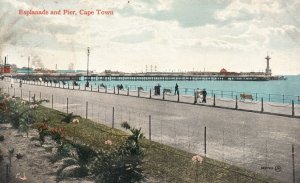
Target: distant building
(24,70)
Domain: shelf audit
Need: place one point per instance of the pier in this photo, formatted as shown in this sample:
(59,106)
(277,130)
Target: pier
(164,76)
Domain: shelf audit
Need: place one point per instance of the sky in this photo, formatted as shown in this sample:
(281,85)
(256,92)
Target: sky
(173,35)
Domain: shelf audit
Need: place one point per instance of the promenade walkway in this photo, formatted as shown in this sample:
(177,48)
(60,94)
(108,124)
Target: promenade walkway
(261,142)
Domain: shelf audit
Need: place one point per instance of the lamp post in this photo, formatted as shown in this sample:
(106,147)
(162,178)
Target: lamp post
(87,67)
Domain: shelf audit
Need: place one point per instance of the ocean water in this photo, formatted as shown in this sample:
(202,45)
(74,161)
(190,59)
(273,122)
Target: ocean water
(280,91)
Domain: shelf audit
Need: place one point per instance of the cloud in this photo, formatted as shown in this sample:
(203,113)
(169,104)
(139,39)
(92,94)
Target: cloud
(132,38)
(187,13)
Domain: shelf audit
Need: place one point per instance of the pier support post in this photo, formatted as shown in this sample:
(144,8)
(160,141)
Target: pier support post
(293,108)
(262,105)
(150,94)
(236,102)
(149,127)
(113,118)
(205,141)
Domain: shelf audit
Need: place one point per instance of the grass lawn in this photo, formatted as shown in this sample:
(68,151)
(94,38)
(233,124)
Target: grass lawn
(161,162)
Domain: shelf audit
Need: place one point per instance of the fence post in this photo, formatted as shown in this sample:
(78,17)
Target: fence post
(73,86)
(105,89)
(293,159)
(283,99)
(262,104)
(98,88)
(163,95)
(40,95)
(8,90)
(29,96)
(91,87)
(236,102)
(14,92)
(149,127)
(21,94)
(178,96)
(205,141)
(214,100)
(86,110)
(221,94)
(52,100)
(79,87)
(150,94)
(293,108)
(255,96)
(118,90)
(269,97)
(114,90)
(113,118)
(128,91)
(67,105)
(138,92)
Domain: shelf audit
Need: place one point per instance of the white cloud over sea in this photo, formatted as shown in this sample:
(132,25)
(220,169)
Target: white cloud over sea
(172,34)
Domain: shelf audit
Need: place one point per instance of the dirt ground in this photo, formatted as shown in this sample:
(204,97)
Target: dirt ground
(35,163)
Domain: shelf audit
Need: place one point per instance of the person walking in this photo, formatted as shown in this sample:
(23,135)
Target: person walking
(176,89)
(204,93)
(20,83)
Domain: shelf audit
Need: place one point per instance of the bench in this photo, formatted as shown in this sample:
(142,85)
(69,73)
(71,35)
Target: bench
(244,96)
(167,90)
(140,88)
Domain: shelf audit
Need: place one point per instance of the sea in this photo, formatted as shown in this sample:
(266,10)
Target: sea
(279,91)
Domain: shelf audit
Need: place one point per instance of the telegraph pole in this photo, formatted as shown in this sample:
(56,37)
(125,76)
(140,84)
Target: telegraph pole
(28,68)
(87,67)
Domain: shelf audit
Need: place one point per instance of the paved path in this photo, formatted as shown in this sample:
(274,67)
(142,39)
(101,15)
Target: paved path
(246,139)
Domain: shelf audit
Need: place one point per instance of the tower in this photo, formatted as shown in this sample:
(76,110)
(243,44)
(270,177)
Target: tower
(268,70)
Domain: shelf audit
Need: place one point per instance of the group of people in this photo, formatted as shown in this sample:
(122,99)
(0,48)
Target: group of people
(203,92)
